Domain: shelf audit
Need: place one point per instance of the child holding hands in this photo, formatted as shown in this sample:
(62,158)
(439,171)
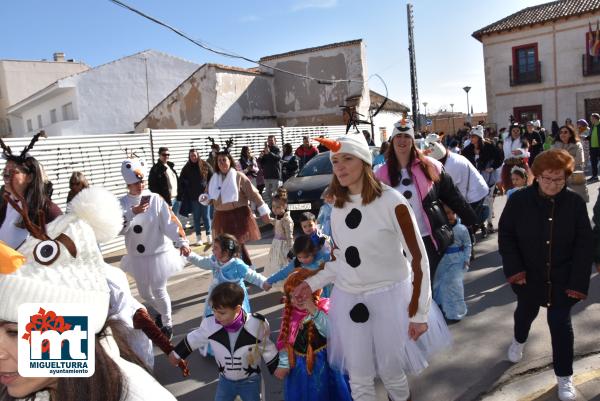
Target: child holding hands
(302,346)
(238,340)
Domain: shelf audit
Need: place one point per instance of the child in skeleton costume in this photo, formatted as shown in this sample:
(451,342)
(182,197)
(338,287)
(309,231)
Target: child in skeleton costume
(302,346)
(150,229)
(382,322)
(61,263)
(238,340)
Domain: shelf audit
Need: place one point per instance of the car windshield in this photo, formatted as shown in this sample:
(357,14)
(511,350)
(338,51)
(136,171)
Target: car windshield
(319,165)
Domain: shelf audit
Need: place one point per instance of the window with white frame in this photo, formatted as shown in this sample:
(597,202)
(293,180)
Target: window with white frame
(29,125)
(39,118)
(52,116)
(67,111)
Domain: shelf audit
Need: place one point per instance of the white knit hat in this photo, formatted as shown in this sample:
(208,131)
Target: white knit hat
(66,266)
(133,170)
(477,131)
(354,144)
(436,149)
(404,126)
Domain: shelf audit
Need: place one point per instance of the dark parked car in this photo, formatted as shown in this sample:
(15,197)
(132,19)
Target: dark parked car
(305,191)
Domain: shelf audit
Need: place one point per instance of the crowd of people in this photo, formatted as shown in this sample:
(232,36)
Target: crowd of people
(395,233)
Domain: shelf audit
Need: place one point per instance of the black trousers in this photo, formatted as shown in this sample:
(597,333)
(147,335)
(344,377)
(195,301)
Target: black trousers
(594,156)
(561,332)
(433,255)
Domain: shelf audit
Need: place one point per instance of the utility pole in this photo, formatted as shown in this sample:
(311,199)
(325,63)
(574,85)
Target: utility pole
(413,67)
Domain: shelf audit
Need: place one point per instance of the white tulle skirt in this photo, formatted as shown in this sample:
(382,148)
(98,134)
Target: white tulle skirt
(153,269)
(380,344)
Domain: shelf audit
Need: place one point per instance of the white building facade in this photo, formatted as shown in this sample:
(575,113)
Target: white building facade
(22,78)
(537,64)
(107,99)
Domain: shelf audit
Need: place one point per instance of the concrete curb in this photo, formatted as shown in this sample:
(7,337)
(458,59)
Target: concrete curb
(538,383)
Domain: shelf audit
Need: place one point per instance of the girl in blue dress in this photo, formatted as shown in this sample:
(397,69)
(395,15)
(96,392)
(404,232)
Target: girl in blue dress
(227,267)
(308,256)
(302,346)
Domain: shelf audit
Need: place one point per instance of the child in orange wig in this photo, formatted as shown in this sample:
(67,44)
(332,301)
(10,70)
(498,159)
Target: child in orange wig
(302,346)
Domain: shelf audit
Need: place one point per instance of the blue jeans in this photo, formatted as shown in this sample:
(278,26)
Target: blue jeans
(247,389)
(175,206)
(200,212)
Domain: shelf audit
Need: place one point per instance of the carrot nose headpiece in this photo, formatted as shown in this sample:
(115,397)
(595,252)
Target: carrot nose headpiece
(353,144)
(10,260)
(330,144)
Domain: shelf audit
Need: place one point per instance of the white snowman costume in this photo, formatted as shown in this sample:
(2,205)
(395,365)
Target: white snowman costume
(380,272)
(149,237)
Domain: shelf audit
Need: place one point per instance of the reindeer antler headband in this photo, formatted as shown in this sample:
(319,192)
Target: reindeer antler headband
(20,159)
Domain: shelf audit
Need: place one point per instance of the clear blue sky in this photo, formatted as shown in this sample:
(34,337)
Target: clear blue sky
(99,31)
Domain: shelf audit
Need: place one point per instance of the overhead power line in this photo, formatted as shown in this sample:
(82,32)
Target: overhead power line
(231,55)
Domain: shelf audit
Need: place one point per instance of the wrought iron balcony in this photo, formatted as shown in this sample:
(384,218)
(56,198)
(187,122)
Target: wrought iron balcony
(590,65)
(526,77)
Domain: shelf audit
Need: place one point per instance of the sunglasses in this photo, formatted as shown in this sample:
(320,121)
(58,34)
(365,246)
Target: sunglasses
(165,154)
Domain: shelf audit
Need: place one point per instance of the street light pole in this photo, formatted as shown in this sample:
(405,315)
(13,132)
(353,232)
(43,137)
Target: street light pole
(425,106)
(453,129)
(467,89)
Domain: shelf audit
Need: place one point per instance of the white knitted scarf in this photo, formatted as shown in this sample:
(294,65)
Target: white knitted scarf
(226,188)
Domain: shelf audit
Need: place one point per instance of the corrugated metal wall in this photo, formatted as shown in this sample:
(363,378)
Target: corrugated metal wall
(99,157)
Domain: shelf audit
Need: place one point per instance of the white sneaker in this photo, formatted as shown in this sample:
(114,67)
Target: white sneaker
(566,390)
(197,243)
(515,351)
(209,239)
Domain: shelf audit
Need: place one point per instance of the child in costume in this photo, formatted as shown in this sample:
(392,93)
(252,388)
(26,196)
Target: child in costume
(381,320)
(150,229)
(302,346)
(448,288)
(226,266)
(308,223)
(238,340)
(518,176)
(324,217)
(308,256)
(283,233)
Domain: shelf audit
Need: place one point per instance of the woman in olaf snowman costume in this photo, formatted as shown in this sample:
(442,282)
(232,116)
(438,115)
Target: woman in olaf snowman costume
(382,321)
(150,229)
(61,263)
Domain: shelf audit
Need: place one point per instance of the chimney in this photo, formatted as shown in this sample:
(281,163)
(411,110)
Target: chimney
(59,56)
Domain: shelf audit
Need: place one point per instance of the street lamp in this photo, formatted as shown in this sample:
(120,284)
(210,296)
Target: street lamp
(425,105)
(452,106)
(467,89)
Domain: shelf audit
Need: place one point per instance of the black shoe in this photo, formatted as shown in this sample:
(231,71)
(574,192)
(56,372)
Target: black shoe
(490,228)
(167,331)
(484,232)
(592,179)
(158,321)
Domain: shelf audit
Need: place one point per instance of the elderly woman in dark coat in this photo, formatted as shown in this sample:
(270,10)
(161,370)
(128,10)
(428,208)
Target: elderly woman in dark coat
(545,240)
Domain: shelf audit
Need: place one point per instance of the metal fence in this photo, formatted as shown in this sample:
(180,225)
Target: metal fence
(99,157)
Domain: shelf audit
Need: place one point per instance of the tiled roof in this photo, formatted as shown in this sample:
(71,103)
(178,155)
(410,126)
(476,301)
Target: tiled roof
(312,49)
(539,14)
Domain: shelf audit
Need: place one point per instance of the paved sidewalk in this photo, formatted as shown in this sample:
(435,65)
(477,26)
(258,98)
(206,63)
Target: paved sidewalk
(539,383)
